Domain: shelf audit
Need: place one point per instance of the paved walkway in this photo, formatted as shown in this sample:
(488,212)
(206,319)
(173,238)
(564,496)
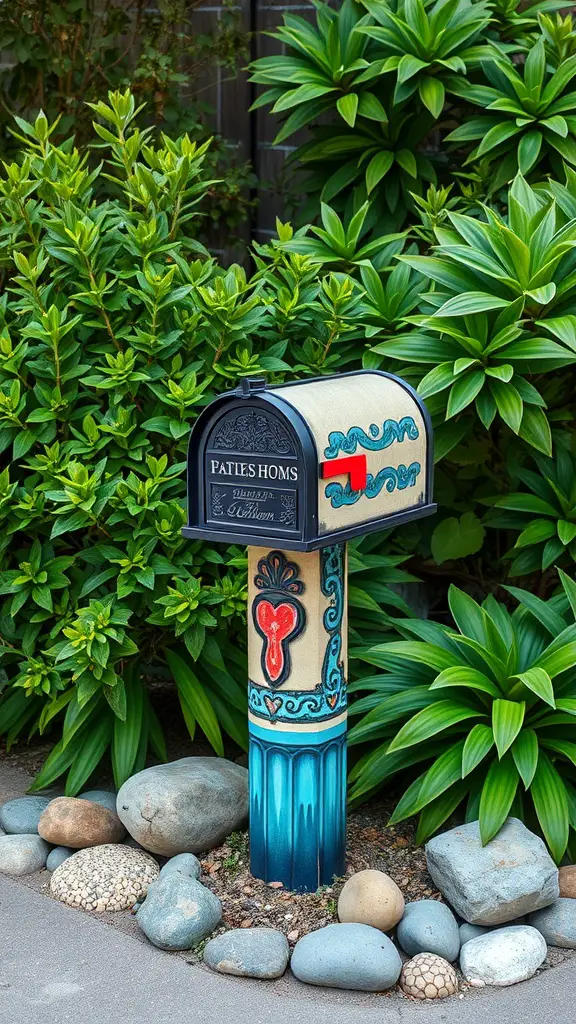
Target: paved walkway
(59,966)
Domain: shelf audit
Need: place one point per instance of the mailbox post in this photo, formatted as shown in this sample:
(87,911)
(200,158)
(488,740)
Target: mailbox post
(294,472)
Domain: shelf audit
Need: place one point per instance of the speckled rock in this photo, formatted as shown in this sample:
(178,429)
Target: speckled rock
(109,877)
(22,854)
(21,816)
(186,864)
(249,953)
(429,927)
(57,856)
(511,876)
(567,881)
(352,956)
(178,912)
(69,821)
(503,957)
(557,923)
(427,976)
(371,897)
(104,797)
(187,806)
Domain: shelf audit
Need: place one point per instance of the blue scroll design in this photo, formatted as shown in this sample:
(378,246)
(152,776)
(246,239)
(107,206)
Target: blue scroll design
(332,586)
(287,705)
(392,430)
(390,477)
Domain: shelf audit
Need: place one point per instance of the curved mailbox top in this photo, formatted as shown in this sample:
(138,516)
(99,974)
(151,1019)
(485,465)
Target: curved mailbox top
(310,463)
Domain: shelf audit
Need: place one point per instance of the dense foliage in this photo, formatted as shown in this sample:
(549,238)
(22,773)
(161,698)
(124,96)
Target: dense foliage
(116,328)
(439,168)
(59,55)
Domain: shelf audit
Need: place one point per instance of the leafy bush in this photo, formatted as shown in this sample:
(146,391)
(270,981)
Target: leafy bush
(116,328)
(59,55)
(492,705)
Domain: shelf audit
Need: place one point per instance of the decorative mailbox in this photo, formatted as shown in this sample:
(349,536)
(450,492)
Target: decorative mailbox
(294,472)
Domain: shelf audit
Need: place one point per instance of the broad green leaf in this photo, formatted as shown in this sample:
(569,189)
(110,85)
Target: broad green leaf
(348,107)
(428,654)
(537,680)
(457,538)
(479,742)
(498,793)
(551,804)
(432,94)
(463,675)
(192,692)
(432,720)
(507,719)
(525,754)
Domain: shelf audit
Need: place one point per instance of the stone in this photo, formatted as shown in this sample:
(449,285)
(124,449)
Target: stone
(504,956)
(21,816)
(429,927)
(427,976)
(557,923)
(371,897)
(178,912)
(511,876)
(185,864)
(567,881)
(249,953)
(57,856)
(108,877)
(187,806)
(351,956)
(70,821)
(104,797)
(471,931)
(22,854)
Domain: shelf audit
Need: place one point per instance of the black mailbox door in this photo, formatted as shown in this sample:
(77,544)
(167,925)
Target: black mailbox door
(252,473)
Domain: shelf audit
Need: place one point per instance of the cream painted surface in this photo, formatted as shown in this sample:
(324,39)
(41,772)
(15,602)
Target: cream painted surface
(297,727)
(359,401)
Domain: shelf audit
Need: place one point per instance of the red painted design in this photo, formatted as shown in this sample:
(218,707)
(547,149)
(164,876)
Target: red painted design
(276,624)
(332,699)
(355,466)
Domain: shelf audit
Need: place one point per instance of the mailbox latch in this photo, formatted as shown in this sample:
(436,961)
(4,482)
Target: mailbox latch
(249,385)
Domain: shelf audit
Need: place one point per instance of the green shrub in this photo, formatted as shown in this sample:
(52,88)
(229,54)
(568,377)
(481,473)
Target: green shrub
(116,328)
(492,705)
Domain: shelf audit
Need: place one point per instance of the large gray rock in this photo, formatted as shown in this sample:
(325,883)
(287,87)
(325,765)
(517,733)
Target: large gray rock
(429,927)
(178,912)
(249,953)
(503,957)
(22,854)
(185,864)
(21,816)
(557,923)
(187,806)
(511,876)
(354,956)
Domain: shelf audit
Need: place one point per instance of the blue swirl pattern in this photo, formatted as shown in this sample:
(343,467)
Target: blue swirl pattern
(392,430)
(390,477)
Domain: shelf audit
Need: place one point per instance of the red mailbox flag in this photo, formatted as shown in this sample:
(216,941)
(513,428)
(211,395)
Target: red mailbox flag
(353,465)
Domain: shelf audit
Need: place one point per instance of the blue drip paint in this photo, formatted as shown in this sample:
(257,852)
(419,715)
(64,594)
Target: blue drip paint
(298,811)
(392,430)
(390,477)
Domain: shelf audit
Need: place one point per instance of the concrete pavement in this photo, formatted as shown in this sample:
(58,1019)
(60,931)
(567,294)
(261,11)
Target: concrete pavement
(60,966)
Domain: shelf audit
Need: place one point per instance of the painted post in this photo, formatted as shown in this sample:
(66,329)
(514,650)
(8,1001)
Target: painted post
(294,472)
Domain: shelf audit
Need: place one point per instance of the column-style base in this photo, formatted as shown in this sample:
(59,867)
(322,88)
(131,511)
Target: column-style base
(298,807)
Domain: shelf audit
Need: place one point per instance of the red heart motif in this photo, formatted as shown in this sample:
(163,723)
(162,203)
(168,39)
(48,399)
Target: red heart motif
(273,704)
(276,624)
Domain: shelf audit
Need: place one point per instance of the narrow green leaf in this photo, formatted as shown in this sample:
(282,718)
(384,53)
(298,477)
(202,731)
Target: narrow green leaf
(507,719)
(525,754)
(432,720)
(478,742)
(498,793)
(551,803)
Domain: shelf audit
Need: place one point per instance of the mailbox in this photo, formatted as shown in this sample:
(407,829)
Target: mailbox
(309,463)
(294,472)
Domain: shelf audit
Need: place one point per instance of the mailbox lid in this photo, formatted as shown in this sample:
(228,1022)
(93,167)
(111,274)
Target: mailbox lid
(380,417)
